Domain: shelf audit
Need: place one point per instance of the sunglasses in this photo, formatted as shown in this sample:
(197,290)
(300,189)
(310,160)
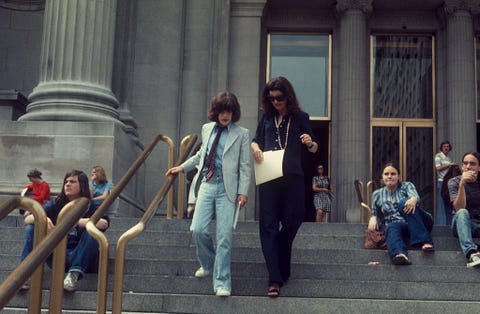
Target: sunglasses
(277,98)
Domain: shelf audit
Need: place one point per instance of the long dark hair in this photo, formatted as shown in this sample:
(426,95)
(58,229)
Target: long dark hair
(281,84)
(62,199)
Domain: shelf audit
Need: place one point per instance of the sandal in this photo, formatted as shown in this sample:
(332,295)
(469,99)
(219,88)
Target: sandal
(428,247)
(273,290)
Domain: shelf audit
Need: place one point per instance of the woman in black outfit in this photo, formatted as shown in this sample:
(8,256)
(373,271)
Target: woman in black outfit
(283,125)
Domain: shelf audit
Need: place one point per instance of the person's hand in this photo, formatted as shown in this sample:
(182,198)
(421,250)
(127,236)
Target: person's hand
(50,225)
(242,200)
(372,223)
(306,140)
(173,170)
(410,205)
(258,155)
(469,176)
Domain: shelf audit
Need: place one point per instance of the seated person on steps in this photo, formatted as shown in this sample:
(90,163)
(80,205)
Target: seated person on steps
(82,249)
(405,221)
(465,195)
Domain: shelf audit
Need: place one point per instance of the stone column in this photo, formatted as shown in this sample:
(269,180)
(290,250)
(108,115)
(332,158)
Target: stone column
(350,133)
(76,63)
(461,84)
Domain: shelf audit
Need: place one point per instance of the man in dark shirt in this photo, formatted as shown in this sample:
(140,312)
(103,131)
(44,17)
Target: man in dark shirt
(465,196)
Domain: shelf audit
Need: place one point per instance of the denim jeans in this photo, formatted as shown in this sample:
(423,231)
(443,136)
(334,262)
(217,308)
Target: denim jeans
(416,228)
(441,213)
(465,228)
(213,200)
(83,258)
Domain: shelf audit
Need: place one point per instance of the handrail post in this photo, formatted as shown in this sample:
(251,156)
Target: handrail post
(100,236)
(14,281)
(170,194)
(181,181)
(140,227)
(60,252)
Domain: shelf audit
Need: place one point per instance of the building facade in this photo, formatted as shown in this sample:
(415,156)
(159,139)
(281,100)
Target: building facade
(382,80)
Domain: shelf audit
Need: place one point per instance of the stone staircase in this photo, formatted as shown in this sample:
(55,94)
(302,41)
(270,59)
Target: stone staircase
(330,274)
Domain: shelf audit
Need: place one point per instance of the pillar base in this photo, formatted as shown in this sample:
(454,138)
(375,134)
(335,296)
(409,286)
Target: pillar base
(71,101)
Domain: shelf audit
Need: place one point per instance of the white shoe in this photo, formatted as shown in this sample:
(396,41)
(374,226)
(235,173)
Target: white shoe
(222,292)
(474,260)
(70,281)
(202,273)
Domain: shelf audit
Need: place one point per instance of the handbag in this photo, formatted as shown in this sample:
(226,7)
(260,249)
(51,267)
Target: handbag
(375,239)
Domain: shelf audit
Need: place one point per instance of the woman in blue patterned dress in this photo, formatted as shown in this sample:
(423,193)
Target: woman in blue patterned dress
(405,222)
(321,194)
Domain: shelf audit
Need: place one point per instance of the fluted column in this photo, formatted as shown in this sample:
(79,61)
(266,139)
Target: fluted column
(76,63)
(461,83)
(350,137)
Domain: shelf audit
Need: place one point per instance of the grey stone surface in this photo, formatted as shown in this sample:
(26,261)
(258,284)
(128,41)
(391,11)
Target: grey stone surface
(172,56)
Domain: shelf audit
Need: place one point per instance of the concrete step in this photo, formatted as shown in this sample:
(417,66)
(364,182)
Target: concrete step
(193,303)
(330,273)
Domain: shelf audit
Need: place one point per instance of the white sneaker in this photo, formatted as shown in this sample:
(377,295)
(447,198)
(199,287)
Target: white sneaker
(70,281)
(202,273)
(222,292)
(474,260)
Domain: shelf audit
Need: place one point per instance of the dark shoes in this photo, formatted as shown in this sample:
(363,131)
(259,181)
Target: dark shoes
(401,259)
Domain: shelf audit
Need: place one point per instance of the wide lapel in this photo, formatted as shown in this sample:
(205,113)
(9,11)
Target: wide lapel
(233,134)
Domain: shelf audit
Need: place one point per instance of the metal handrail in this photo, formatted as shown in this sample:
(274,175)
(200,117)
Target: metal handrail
(99,213)
(181,188)
(185,148)
(56,240)
(34,262)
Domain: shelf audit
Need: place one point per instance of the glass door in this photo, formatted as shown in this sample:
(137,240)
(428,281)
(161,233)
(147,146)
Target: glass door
(408,144)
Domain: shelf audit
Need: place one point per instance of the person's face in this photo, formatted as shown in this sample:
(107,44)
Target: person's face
(225,117)
(320,170)
(390,177)
(470,163)
(72,187)
(93,174)
(445,148)
(278,100)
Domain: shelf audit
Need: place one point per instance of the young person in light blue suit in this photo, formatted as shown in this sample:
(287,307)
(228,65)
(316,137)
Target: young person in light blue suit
(224,184)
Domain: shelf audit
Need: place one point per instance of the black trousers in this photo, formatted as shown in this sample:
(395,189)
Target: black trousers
(282,209)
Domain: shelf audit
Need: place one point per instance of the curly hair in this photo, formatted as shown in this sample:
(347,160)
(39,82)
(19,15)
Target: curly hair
(224,101)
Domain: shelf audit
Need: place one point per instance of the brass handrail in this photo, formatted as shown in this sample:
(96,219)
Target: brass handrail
(181,187)
(136,230)
(70,214)
(99,235)
(10,286)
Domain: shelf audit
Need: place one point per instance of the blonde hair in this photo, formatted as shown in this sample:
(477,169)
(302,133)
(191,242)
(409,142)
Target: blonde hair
(100,174)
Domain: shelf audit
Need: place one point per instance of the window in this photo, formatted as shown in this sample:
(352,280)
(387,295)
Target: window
(402,77)
(304,59)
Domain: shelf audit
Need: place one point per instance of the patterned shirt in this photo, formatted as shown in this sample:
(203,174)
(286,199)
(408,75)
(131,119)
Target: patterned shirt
(441,160)
(387,202)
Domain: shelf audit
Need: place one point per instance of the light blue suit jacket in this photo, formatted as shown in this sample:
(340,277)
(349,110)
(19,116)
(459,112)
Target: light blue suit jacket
(236,167)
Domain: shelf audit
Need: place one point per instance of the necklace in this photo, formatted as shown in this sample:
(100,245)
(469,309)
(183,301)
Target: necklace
(277,124)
